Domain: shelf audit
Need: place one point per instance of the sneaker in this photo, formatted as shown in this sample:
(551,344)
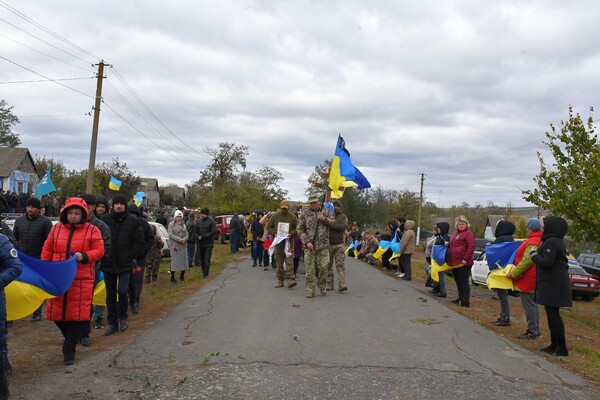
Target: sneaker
(36,317)
(98,324)
(440,294)
(110,330)
(85,341)
(529,335)
(502,323)
(400,274)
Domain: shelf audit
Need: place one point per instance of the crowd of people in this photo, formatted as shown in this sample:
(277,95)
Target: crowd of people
(114,241)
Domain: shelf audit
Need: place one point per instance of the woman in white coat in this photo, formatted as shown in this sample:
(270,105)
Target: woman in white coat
(178,237)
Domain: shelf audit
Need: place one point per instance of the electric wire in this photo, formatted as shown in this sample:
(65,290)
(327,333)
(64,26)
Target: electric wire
(47,80)
(48,31)
(43,76)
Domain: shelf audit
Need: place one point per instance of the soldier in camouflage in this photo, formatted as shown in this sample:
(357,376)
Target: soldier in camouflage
(313,229)
(337,248)
(283,223)
(368,248)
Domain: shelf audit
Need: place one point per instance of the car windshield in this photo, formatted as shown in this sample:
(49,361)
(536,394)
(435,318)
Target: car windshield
(228,220)
(575,269)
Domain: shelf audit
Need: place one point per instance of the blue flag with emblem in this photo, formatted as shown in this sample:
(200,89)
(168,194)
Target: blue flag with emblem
(46,185)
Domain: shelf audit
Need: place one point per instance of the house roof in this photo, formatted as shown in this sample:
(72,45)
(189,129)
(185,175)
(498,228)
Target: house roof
(148,184)
(11,157)
(175,191)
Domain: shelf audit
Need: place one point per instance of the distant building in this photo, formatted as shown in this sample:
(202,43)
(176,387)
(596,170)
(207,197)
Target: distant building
(150,187)
(17,170)
(175,191)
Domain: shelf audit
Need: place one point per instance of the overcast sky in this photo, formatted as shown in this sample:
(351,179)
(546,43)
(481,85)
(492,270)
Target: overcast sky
(462,91)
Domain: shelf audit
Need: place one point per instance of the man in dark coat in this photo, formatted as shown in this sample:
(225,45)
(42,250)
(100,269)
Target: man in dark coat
(31,231)
(206,230)
(126,244)
(137,279)
(235,232)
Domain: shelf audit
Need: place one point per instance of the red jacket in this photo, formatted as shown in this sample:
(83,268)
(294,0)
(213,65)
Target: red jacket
(526,282)
(461,247)
(84,238)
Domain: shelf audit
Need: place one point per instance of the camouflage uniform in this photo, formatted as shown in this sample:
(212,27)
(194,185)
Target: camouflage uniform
(337,249)
(279,251)
(307,226)
(368,249)
(153,259)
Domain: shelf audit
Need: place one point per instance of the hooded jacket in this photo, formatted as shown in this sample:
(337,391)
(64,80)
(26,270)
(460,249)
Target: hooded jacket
(407,244)
(504,232)
(64,239)
(443,237)
(552,283)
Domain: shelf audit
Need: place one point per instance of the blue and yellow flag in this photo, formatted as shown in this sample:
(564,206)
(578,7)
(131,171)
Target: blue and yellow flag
(138,198)
(343,173)
(438,261)
(500,258)
(39,281)
(99,298)
(114,183)
(351,250)
(385,245)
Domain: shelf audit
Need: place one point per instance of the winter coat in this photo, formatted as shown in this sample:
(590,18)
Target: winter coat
(206,229)
(65,238)
(10,269)
(126,241)
(337,229)
(461,247)
(191,228)
(257,229)
(177,234)
(407,243)
(31,233)
(6,231)
(552,283)
(524,272)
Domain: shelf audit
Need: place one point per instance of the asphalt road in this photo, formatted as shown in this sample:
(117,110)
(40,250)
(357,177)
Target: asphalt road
(241,338)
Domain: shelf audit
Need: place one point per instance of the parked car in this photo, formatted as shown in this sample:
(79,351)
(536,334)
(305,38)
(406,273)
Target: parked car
(164,235)
(223,228)
(480,269)
(591,263)
(582,283)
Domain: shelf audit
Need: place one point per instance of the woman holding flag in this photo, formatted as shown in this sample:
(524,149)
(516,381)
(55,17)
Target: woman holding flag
(73,237)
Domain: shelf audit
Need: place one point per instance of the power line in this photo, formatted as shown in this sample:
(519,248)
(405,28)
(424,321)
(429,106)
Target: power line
(43,76)
(138,98)
(48,31)
(46,80)
(45,54)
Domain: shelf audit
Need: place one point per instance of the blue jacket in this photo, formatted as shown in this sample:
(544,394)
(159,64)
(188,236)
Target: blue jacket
(10,269)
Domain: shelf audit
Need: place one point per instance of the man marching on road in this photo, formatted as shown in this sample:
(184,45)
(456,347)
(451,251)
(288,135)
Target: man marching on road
(337,248)
(313,229)
(282,225)
(206,230)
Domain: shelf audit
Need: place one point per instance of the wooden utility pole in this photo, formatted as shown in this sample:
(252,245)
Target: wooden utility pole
(420,207)
(89,187)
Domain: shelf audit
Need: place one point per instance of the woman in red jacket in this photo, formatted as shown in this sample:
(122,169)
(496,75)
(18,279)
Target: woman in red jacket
(73,236)
(460,251)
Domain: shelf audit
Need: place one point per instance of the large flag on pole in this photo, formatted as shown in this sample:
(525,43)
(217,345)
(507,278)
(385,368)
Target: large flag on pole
(114,183)
(343,173)
(39,281)
(46,185)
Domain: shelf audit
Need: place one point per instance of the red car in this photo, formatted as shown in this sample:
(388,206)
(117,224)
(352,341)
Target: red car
(582,283)
(223,228)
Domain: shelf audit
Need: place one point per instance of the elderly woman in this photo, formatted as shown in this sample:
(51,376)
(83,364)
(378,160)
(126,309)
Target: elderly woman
(73,235)
(460,251)
(178,237)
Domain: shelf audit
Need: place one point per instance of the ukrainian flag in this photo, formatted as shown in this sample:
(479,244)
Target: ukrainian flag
(343,173)
(438,262)
(500,258)
(39,281)
(352,248)
(138,198)
(384,245)
(114,183)
(99,298)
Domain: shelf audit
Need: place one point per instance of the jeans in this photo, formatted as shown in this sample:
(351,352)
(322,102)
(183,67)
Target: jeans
(504,304)
(257,251)
(531,312)
(234,240)
(191,250)
(117,284)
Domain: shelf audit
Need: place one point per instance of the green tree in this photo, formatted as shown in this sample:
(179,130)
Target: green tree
(317,185)
(569,186)
(8,119)
(226,162)
(119,169)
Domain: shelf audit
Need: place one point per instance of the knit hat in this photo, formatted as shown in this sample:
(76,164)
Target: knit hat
(534,224)
(119,199)
(204,211)
(177,214)
(102,200)
(88,198)
(34,202)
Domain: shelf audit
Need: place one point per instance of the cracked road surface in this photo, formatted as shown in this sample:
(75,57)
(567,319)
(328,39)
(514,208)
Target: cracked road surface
(241,338)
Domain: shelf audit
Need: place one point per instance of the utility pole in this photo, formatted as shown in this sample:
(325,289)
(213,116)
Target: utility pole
(89,187)
(420,207)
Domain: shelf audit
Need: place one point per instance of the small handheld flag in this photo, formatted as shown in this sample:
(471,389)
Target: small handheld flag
(46,185)
(114,183)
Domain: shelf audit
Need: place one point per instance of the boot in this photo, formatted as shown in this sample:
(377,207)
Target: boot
(562,351)
(342,287)
(550,349)
(69,358)
(110,330)
(440,294)
(123,324)
(279,284)
(291,283)
(3,385)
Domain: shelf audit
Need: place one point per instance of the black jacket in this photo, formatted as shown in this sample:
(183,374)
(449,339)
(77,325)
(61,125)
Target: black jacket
(31,233)
(126,241)
(257,229)
(504,232)
(206,229)
(552,281)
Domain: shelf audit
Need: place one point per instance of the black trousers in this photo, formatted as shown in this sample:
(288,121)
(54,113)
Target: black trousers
(117,284)
(204,254)
(556,326)
(136,282)
(71,331)
(461,277)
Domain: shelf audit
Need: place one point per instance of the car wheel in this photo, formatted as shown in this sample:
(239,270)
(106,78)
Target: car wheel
(587,298)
